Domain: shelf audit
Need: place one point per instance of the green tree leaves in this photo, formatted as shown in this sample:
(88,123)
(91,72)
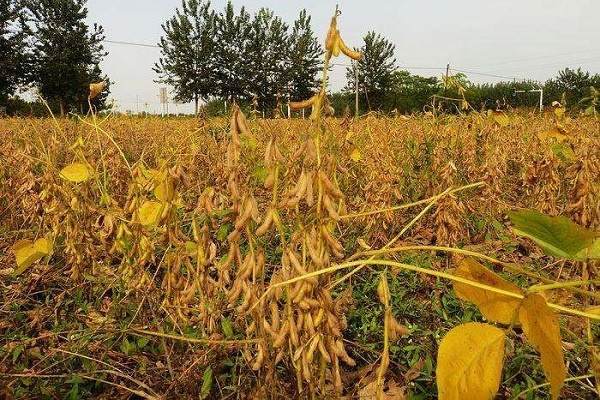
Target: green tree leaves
(236,56)
(187,51)
(375,69)
(13,52)
(66,53)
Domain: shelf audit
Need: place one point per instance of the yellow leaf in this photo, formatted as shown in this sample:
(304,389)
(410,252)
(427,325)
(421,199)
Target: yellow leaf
(355,155)
(541,328)
(501,119)
(165,191)
(554,133)
(494,306)
(149,212)
(75,172)
(469,362)
(27,252)
(43,245)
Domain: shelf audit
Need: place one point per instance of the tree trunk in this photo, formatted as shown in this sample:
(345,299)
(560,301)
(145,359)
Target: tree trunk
(196,104)
(61,103)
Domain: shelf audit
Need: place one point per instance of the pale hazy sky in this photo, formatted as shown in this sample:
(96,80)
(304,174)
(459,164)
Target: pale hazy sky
(513,38)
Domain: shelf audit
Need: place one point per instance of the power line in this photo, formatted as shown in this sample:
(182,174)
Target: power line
(131,43)
(432,68)
(469,71)
(539,58)
(485,74)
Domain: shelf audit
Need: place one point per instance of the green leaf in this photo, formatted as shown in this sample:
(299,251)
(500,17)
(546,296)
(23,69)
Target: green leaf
(207,382)
(227,328)
(142,342)
(17,352)
(249,142)
(127,348)
(260,173)
(74,392)
(557,236)
(562,151)
(592,252)
(223,232)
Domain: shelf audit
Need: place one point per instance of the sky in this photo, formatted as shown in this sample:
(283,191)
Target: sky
(519,39)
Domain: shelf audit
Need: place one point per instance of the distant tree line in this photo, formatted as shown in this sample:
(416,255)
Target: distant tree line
(220,56)
(383,87)
(235,56)
(47,46)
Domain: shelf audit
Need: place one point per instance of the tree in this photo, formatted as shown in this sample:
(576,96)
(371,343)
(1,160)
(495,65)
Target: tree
(66,52)
(13,48)
(304,59)
(187,48)
(410,93)
(375,69)
(266,57)
(232,71)
(575,84)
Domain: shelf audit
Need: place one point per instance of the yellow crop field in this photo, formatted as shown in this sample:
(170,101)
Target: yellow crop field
(240,258)
(448,254)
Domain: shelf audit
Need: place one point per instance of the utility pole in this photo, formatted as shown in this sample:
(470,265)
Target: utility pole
(540,91)
(447,76)
(355,63)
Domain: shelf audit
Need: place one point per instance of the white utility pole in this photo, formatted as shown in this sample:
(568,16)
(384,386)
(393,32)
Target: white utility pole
(355,63)
(540,91)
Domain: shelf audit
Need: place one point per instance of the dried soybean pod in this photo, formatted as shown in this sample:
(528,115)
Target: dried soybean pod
(270,180)
(319,317)
(282,335)
(343,354)
(264,227)
(300,296)
(259,358)
(300,321)
(329,187)
(269,328)
(333,243)
(279,356)
(310,326)
(312,303)
(309,195)
(312,347)
(299,105)
(355,55)
(323,351)
(337,378)
(293,331)
(330,208)
(305,367)
(275,316)
(332,34)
